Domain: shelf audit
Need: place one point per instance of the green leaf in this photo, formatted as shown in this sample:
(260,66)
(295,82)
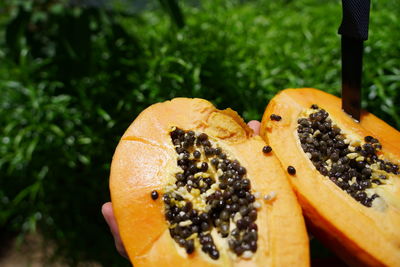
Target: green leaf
(57,130)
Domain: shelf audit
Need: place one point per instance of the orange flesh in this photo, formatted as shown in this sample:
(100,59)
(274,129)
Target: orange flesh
(360,235)
(144,156)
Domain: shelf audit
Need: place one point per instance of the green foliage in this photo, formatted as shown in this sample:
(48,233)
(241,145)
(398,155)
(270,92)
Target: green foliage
(73,78)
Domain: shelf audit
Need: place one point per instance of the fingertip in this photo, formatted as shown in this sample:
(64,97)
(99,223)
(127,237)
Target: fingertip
(255,126)
(108,215)
(106,210)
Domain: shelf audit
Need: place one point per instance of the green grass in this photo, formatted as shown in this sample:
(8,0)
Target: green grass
(72,79)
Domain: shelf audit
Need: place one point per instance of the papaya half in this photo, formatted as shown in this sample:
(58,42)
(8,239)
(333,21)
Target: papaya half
(344,173)
(192,185)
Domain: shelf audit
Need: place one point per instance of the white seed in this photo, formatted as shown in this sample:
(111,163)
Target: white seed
(182,190)
(309,155)
(316,132)
(270,196)
(185,223)
(379,204)
(214,186)
(375,175)
(237,217)
(169,188)
(352,155)
(360,158)
(374,166)
(328,168)
(257,205)
(201,183)
(193,236)
(257,194)
(195,192)
(209,192)
(247,254)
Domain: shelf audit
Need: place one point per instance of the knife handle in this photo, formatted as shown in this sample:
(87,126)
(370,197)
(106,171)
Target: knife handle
(355,19)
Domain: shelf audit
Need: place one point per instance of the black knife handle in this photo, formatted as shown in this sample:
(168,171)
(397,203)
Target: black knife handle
(355,19)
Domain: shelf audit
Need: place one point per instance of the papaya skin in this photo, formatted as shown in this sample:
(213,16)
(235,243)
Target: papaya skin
(361,236)
(139,166)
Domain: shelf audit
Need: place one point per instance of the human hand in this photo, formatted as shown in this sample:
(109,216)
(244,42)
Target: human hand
(108,213)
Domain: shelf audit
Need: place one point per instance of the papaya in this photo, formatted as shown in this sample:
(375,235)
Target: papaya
(192,185)
(345,173)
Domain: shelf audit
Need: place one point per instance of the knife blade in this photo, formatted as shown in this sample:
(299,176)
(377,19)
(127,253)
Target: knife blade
(354,31)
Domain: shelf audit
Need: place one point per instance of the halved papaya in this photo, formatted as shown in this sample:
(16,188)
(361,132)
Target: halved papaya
(345,174)
(191,186)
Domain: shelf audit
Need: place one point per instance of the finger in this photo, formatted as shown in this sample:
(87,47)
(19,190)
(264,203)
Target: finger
(108,214)
(255,126)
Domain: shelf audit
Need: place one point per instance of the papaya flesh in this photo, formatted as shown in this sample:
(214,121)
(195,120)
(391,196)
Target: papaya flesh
(346,175)
(190,186)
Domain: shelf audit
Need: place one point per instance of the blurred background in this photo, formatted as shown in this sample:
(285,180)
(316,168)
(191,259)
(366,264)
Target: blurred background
(74,74)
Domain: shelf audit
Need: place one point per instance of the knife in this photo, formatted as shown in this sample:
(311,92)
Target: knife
(354,31)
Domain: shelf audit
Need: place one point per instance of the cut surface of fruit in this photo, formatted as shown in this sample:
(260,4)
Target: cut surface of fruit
(346,177)
(191,185)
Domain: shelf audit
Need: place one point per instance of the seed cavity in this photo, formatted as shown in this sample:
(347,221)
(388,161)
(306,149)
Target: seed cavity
(211,192)
(353,165)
